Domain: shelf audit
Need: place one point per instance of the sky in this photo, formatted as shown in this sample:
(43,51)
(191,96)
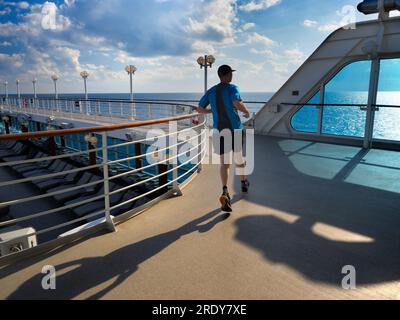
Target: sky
(264,40)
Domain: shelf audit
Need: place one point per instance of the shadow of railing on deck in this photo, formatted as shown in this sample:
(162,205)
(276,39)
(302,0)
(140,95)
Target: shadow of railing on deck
(122,263)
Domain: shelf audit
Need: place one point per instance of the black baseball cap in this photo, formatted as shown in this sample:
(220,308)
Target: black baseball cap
(224,70)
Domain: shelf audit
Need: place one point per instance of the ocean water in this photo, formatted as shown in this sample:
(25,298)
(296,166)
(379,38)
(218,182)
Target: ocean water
(337,120)
(351,120)
(190,98)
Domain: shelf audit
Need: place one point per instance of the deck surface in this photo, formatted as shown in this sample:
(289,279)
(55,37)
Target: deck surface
(313,209)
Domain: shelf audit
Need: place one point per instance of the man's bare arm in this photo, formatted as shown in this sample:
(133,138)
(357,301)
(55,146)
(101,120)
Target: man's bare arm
(242,107)
(203,111)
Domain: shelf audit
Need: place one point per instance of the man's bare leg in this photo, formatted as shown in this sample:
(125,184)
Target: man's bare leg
(225,198)
(224,171)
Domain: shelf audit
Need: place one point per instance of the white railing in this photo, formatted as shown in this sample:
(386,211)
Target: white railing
(95,192)
(101,110)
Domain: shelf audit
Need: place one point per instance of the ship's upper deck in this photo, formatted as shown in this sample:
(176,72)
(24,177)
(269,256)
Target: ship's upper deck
(313,209)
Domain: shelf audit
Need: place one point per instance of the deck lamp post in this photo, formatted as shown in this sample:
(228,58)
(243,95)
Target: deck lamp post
(131,71)
(85,75)
(18,93)
(92,143)
(34,81)
(206,62)
(6,90)
(54,77)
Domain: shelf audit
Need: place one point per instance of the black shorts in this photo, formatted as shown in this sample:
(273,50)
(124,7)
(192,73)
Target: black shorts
(221,149)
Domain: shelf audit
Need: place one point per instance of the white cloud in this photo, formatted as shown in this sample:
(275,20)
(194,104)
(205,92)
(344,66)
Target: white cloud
(23,5)
(248,26)
(329,27)
(260,39)
(216,22)
(5,44)
(310,23)
(5,11)
(259,5)
(294,56)
(267,53)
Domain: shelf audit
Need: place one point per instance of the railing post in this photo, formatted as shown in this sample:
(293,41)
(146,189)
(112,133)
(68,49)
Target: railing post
(131,109)
(149,110)
(109,221)
(202,118)
(173,151)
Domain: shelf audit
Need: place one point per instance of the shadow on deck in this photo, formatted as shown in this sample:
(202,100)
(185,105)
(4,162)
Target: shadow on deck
(313,209)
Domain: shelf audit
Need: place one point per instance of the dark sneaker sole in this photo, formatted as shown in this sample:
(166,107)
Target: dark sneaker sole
(225,204)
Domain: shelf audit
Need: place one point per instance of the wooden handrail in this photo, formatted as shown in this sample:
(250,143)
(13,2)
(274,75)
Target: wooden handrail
(56,133)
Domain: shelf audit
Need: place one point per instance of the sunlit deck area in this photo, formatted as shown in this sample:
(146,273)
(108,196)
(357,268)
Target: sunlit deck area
(313,209)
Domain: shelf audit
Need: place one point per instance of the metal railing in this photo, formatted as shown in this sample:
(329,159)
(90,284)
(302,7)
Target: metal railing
(352,124)
(97,193)
(97,110)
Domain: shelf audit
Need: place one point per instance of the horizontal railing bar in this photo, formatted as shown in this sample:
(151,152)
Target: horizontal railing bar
(149,153)
(164,173)
(339,105)
(94,99)
(45,213)
(154,190)
(50,158)
(64,132)
(52,175)
(156,137)
(126,101)
(78,203)
(150,165)
(48,195)
(57,226)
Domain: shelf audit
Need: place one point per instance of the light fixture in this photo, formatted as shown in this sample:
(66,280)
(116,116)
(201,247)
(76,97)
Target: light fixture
(85,75)
(92,139)
(206,62)
(55,77)
(131,71)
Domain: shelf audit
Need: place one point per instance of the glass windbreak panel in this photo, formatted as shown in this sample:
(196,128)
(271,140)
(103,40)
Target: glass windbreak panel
(349,86)
(306,119)
(387,120)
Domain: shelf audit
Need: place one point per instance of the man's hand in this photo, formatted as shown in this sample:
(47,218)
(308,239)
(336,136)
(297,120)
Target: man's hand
(203,111)
(242,107)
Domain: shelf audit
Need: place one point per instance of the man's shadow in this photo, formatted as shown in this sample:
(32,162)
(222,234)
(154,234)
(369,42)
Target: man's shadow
(122,263)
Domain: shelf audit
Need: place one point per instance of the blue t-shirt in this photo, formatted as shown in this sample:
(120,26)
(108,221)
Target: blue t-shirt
(230,93)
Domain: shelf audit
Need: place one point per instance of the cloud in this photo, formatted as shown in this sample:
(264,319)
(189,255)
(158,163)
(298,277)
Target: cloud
(248,26)
(282,62)
(100,36)
(328,27)
(260,39)
(23,5)
(259,5)
(216,23)
(5,44)
(310,23)
(5,11)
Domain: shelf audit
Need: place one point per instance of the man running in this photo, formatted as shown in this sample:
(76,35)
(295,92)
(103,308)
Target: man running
(225,102)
